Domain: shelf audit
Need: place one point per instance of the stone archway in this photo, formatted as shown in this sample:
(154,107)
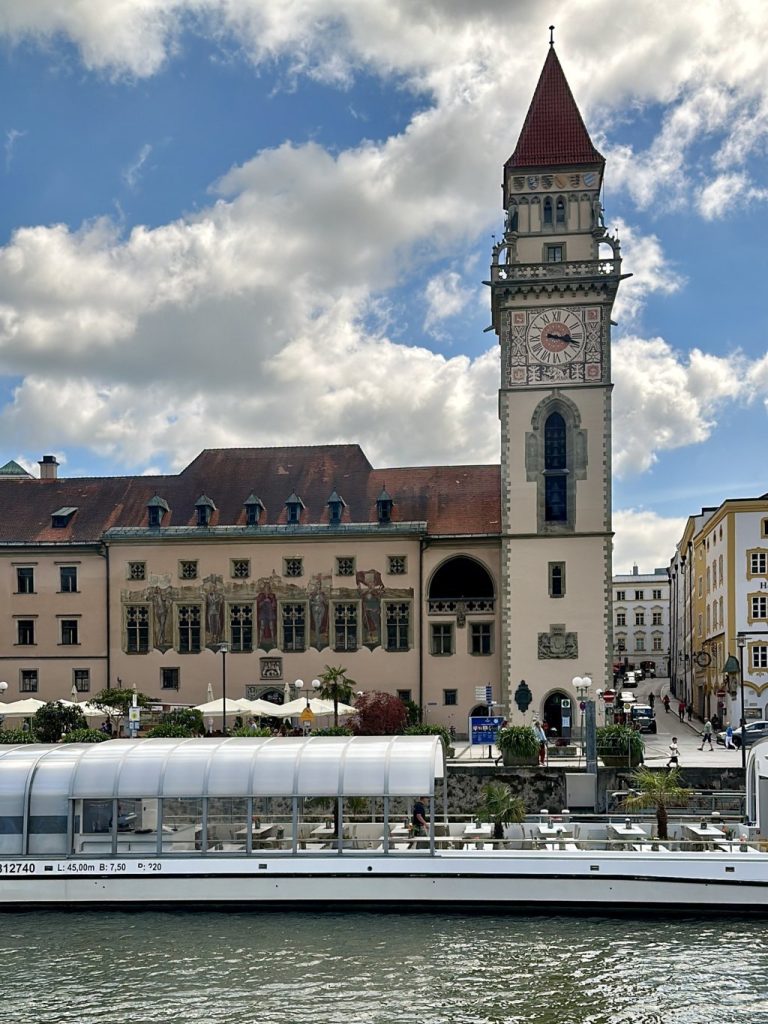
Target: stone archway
(554,716)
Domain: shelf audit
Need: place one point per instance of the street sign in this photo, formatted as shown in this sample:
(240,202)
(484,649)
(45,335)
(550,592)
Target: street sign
(134,714)
(483,729)
(479,693)
(609,696)
(307,715)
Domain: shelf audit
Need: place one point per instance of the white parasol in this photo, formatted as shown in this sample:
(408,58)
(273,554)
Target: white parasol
(22,708)
(218,708)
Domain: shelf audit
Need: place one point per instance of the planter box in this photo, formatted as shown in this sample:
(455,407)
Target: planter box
(513,761)
(619,761)
(563,751)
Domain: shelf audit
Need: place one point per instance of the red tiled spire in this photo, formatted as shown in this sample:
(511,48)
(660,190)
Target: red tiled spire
(553,133)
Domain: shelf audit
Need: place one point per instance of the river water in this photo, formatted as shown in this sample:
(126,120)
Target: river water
(293,968)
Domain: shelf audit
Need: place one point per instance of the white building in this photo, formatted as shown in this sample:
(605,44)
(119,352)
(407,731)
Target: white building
(641,621)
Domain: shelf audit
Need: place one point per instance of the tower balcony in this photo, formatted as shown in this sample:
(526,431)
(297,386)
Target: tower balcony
(582,269)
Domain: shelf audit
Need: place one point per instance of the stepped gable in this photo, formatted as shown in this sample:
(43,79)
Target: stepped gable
(553,134)
(451,499)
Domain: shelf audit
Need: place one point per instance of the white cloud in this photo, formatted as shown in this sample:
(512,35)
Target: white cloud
(132,173)
(445,297)
(644,538)
(643,257)
(723,193)
(12,136)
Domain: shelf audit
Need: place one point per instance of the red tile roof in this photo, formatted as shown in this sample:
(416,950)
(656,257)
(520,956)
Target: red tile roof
(553,134)
(450,499)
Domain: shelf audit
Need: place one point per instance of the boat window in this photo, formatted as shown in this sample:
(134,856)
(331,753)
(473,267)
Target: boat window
(10,834)
(182,824)
(97,816)
(228,824)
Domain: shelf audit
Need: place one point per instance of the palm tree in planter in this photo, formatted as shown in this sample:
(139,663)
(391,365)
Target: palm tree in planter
(657,789)
(336,685)
(501,806)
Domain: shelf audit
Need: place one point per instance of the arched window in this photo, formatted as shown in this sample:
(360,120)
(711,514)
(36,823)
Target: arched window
(555,470)
(560,212)
(547,215)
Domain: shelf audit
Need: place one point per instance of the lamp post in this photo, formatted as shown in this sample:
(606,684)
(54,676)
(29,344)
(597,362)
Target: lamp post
(582,685)
(742,643)
(223,648)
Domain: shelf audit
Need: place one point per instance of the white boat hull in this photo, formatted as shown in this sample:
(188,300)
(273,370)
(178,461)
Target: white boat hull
(603,881)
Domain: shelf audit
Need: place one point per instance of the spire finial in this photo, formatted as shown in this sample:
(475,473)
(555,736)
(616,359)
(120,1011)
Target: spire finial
(551,35)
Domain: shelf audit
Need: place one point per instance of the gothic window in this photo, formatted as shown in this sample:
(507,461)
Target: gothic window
(241,627)
(137,629)
(555,470)
(188,570)
(137,570)
(345,567)
(557,579)
(345,626)
(560,212)
(293,567)
(398,622)
(294,627)
(189,628)
(546,216)
(241,568)
(396,565)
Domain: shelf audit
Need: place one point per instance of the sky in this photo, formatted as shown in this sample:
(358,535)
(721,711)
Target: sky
(265,222)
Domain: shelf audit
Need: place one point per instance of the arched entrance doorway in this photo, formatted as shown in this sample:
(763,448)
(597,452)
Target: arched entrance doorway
(559,718)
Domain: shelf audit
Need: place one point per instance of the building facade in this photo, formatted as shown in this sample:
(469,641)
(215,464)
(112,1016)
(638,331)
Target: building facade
(641,621)
(426,582)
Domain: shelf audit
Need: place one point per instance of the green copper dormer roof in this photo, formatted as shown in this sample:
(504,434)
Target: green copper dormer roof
(13,469)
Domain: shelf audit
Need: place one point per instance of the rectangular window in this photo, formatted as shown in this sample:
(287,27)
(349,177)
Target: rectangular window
(294,626)
(28,680)
(639,643)
(25,632)
(240,568)
(450,698)
(441,638)
(758,563)
(170,678)
(639,595)
(189,628)
(404,695)
(655,618)
(480,634)
(639,618)
(556,498)
(137,629)
(81,678)
(345,626)
(68,579)
(188,569)
(345,567)
(657,595)
(554,254)
(621,618)
(621,595)
(137,570)
(759,607)
(397,617)
(397,565)
(293,567)
(657,643)
(25,580)
(759,655)
(241,627)
(557,579)
(69,632)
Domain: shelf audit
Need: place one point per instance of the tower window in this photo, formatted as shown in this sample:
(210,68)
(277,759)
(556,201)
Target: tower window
(556,492)
(560,212)
(546,216)
(557,579)
(554,254)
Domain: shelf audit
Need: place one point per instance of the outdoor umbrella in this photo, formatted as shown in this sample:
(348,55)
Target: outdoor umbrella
(217,707)
(264,707)
(316,705)
(23,708)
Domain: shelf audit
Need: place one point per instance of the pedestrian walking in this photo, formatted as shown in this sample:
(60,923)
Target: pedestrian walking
(706,736)
(689,711)
(681,710)
(674,754)
(651,701)
(665,702)
(729,744)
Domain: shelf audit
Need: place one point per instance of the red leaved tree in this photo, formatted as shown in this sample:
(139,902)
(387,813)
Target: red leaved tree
(379,714)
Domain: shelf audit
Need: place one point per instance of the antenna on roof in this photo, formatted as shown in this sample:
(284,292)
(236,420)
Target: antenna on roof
(551,35)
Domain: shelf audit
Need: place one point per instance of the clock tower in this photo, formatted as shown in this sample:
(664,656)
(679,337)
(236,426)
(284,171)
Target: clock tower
(554,278)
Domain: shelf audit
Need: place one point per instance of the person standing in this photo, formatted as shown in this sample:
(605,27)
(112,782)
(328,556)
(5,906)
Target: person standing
(665,702)
(419,817)
(689,711)
(706,736)
(541,736)
(729,744)
(681,710)
(651,700)
(674,754)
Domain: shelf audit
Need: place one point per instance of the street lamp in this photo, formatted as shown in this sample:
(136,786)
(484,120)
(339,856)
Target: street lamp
(582,685)
(223,648)
(742,643)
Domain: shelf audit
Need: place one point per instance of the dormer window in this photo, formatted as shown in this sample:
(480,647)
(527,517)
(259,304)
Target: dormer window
(384,505)
(60,519)
(156,509)
(336,506)
(253,509)
(294,505)
(205,509)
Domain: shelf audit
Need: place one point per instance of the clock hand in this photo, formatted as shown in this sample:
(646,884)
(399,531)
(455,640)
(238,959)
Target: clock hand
(559,337)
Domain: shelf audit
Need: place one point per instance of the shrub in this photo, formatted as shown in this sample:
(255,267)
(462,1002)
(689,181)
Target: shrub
(244,730)
(85,736)
(334,730)
(430,730)
(17,736)
(518,741)
(620,741)
(54,719)
(379,714)
(184,718)
(168,730)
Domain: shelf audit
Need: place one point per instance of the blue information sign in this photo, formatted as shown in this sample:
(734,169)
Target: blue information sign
(482,730)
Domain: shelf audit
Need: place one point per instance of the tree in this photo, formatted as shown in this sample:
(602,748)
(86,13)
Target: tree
(188,720)
(336,686)
(115,703)
(379,714)
(657,789)
(501,806)
(54,719)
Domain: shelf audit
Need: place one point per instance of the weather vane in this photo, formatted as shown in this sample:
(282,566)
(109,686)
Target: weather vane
(551,35)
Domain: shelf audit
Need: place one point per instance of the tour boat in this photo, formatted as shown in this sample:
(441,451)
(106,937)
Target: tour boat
(326,822)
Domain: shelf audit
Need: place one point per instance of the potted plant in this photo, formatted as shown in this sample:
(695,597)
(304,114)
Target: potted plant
(500,806)
(518,745)
(619,746)
(659,790)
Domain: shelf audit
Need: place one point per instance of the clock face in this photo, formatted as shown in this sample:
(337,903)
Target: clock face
(556,336)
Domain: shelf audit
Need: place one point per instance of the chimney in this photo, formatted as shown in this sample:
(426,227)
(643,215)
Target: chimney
(635,570)
(49,467)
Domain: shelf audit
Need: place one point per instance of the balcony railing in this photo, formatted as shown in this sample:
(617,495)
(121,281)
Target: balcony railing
(554,271)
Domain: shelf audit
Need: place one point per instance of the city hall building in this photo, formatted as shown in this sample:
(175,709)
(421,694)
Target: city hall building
(426,582)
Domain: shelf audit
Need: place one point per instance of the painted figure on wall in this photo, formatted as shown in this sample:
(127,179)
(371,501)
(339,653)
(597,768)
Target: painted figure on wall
(371,590)
(214,609)
(266,614)
(160,599)
(318,611)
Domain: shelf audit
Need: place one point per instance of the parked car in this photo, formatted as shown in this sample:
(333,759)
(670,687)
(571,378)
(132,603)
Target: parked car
(755,731)
(643,718)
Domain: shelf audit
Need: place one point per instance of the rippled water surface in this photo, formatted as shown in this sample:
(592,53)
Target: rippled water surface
(426,969)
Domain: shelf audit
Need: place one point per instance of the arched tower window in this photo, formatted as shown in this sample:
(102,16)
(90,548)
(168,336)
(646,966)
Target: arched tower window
(560,212)
(555,470)
(547,214)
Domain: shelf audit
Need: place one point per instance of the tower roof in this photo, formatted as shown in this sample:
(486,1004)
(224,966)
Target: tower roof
(553,133)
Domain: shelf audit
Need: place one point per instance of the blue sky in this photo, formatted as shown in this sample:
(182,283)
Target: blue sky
(260,223)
